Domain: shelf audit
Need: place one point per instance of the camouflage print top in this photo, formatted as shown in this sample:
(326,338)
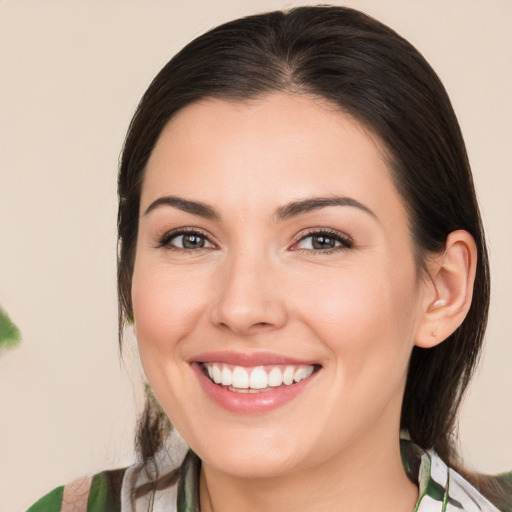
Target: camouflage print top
(176,480)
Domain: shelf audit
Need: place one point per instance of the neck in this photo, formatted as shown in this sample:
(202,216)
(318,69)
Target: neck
(361,479)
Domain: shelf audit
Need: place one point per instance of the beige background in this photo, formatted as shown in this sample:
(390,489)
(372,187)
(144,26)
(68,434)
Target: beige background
(71,73)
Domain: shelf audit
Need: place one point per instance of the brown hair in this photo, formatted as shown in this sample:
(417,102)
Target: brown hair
(369,71)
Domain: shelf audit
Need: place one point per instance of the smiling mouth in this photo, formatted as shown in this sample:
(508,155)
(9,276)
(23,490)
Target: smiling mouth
(256,379)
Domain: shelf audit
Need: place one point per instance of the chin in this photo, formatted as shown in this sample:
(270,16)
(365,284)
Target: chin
(253,465)
(261,458)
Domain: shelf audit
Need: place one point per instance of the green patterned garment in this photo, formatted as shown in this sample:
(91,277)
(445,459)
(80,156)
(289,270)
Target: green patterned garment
(441,489)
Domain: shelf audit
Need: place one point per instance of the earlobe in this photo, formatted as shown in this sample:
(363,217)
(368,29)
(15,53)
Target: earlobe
(448,299)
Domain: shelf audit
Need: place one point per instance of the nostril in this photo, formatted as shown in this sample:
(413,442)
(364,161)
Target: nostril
(258,326)
(244,314)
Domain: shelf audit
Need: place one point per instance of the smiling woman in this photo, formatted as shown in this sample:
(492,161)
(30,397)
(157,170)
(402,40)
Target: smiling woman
(267,256)
(302,258)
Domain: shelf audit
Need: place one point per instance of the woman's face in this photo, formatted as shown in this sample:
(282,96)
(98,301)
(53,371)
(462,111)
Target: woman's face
(274,248)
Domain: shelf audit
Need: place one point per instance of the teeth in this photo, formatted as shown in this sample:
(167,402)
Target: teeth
(298,375)
(257,378)
(307,372)
(217,376)
(275,377)
(240,378)
(227,377)
(303,373)
(288,375)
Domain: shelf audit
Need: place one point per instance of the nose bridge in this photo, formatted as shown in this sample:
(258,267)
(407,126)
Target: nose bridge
(248,299)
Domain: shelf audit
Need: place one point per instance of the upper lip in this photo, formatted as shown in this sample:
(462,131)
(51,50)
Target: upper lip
(248,359)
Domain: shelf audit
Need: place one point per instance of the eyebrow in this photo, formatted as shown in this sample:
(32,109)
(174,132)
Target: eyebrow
(194,207)
(287,211)
(315,203)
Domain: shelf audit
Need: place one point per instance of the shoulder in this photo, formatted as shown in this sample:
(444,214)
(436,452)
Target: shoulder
(498,488)
(442,488)
(51,502)
(101,493)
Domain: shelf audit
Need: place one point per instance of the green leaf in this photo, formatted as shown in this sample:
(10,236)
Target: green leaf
(9,333)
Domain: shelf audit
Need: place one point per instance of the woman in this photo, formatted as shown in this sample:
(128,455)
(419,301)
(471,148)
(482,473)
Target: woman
(302,257)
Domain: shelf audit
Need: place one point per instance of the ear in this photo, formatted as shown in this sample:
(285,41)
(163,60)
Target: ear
(449,290)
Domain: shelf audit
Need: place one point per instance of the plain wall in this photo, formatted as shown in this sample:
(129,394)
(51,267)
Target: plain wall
(71,74)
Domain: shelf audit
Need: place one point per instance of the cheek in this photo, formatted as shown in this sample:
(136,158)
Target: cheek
(166,310)
(367,324)
(364,315)
(165,306)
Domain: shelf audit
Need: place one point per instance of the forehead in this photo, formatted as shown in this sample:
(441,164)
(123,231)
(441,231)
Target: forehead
(275,148)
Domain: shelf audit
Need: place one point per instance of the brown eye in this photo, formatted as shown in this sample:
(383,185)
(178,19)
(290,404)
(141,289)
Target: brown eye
(189,241)
(192,241)
(321,241)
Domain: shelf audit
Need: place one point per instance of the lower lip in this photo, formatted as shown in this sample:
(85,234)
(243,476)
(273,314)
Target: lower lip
(250,403)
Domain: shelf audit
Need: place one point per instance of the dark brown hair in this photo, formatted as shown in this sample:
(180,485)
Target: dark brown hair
(372,73)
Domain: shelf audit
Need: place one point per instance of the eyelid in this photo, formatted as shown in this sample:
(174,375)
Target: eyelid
(345,240)
(163,240)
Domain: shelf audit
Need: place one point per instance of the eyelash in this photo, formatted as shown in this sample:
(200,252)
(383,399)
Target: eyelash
(345,241)
(164,241)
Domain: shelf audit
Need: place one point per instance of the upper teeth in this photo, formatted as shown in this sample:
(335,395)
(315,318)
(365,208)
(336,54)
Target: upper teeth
(259,377)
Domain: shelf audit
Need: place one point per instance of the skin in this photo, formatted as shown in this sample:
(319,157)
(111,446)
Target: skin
(258,286)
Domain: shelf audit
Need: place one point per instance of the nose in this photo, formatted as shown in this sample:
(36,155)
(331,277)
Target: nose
(249,299)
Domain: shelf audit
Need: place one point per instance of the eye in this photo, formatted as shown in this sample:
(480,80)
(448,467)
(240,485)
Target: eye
(188,240)
(323,241)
